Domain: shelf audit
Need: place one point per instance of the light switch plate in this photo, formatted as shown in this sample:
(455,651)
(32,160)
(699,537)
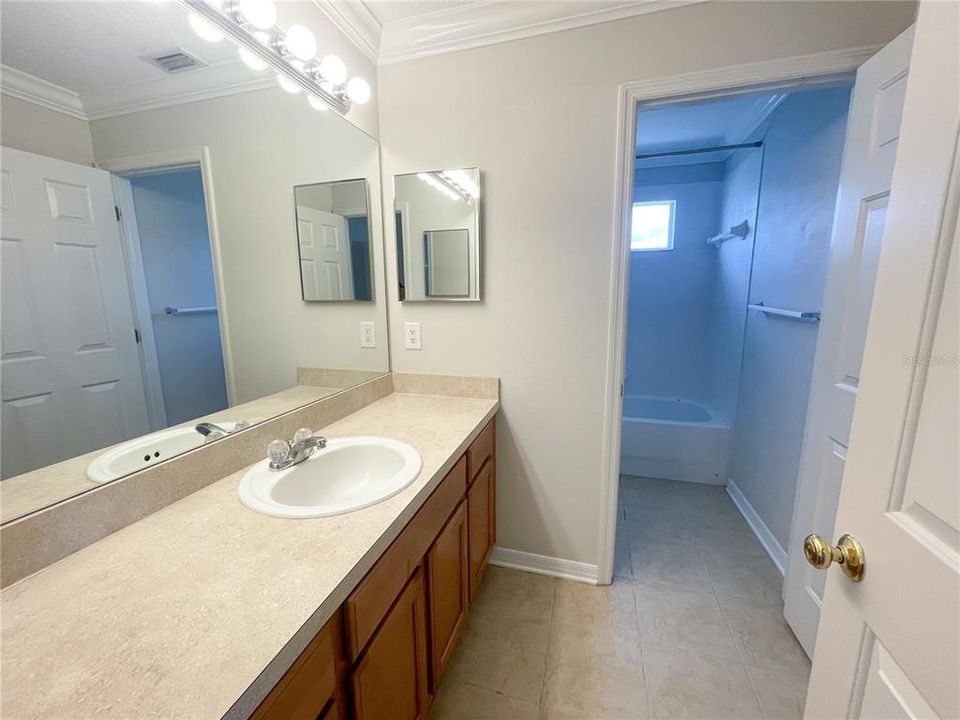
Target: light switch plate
(411,336)
(368,334)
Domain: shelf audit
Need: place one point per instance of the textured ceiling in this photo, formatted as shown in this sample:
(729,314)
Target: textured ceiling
(389,10)
(86,46)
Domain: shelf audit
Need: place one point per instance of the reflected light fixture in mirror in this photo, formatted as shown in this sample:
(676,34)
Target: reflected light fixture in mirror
(289,53)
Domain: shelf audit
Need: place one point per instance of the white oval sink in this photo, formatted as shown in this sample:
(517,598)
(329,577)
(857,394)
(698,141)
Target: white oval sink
(147,450)
(349,474)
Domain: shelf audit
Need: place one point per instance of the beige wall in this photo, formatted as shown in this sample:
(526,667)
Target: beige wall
(539,116)
(261,145)
(33,128)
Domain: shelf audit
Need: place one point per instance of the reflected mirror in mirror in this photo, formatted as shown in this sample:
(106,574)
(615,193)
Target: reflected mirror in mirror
(437,217)
(151,294)
(333,235)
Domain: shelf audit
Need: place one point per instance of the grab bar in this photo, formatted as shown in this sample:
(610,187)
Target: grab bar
(190,310)
(810,317)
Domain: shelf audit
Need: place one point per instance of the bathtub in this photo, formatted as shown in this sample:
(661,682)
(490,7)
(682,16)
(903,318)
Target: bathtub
(673,439)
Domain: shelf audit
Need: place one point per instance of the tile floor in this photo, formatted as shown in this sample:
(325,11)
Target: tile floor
(692,627)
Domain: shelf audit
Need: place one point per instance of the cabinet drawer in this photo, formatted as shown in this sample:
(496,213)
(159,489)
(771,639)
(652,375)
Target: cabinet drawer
(480,450)
(309,685)
(369,602)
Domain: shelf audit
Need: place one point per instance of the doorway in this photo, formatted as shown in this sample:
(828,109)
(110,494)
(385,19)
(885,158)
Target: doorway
(171,268)
(708,428)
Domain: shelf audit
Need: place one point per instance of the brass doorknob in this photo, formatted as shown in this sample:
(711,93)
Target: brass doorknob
(848,553)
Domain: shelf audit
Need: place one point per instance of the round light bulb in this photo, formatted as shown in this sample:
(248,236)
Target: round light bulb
(204,29)
(287,84)
(259,13)
(251,60)
(317,104)
(301,42)
(358,90)
(333,69)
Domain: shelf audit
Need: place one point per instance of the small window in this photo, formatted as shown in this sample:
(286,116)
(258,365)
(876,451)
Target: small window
(651,227)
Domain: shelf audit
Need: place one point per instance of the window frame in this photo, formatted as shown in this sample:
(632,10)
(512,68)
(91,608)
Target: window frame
(671,228)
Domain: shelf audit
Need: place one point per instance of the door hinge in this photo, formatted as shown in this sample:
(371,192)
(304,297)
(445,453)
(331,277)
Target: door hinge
(116,210)
(136,335)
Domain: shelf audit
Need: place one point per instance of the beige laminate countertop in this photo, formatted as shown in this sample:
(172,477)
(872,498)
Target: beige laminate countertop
(196,611)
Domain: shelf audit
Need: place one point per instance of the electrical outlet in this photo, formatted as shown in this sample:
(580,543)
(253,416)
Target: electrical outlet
(411,336)
(368,335)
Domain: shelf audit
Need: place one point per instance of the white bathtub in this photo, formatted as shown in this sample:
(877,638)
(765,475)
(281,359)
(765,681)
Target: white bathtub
(673,439)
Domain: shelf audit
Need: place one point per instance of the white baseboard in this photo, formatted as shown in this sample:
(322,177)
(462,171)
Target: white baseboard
(544,565)
(766,538)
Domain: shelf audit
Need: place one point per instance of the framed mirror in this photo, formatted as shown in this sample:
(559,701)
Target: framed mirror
(333,238)
(437,221)
(151,288)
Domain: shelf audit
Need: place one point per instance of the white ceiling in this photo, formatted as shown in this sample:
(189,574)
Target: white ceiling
(710,123)
(89,46)
(387,11)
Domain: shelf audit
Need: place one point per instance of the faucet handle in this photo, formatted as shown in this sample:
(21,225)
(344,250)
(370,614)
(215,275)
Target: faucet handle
(302,434)
(279,452)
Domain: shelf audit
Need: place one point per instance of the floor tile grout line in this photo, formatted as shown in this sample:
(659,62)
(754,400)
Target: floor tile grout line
(546,656)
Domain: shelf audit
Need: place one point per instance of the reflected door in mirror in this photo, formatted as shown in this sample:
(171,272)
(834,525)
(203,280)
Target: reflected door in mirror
(334,241)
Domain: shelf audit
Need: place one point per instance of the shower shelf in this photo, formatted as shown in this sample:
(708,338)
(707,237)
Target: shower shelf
(810,317)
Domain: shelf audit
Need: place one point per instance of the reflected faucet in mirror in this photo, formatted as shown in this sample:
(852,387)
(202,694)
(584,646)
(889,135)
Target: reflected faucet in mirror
(212,431)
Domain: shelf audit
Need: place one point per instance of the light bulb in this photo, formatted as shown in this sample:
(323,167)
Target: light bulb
(301,42)
(251,60)
(259,13)
(333,69)
(204,29)
(358,90)
(317,104)
(287,84)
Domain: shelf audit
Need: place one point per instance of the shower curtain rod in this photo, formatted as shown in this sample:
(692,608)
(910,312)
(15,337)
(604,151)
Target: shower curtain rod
(717,148)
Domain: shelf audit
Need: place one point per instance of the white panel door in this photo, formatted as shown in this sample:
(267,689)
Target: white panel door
(873,130)
(71,379)
(889,647)
(325,264)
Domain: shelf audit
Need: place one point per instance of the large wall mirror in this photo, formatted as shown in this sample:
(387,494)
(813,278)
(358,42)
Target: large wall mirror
(437,216)
(151,286)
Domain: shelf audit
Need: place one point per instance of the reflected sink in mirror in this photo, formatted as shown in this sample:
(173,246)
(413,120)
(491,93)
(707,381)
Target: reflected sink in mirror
(349,474)
(142,452)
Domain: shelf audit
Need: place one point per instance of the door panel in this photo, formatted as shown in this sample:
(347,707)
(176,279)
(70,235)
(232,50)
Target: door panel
(865,177)
(71,380)
(448,589)
(325,261)
(887,647)
(390,681)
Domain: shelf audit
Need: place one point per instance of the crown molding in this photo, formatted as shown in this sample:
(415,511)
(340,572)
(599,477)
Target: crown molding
(24,86)
(479,24)
(357,22)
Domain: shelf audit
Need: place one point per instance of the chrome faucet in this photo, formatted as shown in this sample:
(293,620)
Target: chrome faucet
(285,453)
(211,431)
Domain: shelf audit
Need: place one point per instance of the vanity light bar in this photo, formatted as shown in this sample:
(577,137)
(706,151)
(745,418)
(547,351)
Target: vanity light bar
(335,98)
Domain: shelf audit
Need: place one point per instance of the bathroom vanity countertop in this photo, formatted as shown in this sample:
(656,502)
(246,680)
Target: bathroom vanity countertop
(198,609)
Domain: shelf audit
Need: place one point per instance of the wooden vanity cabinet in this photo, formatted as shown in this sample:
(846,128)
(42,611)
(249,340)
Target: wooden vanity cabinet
(448,582)
(389,682)
(312,689)
(383,654)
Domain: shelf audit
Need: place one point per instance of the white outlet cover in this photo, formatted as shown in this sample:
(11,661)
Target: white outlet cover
(368,334)
(411,336)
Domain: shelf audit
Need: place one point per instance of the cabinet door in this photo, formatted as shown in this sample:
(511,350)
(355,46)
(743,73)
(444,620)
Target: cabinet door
(390,680)
(482,519)
(448,590)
